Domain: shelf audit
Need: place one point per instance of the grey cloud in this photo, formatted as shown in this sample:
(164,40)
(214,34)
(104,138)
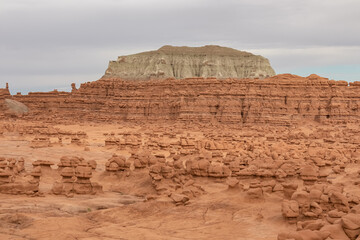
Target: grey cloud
(293,58)
(287,23)
(77,38)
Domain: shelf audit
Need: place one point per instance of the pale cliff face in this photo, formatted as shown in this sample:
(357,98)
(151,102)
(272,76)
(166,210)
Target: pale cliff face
(185,62)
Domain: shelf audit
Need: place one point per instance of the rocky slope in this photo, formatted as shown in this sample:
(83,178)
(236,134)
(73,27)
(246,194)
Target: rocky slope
(185,62)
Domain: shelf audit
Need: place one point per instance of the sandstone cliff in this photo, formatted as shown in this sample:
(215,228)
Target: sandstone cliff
(185,62)
(4,94)
(280,100)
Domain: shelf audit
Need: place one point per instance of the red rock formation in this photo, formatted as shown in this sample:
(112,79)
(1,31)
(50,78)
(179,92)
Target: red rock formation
(13,178)
(76,173)
(281,100)
(73,162)
(4,94)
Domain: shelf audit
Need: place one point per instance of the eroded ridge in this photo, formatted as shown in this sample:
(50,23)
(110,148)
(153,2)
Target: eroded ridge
(280,100)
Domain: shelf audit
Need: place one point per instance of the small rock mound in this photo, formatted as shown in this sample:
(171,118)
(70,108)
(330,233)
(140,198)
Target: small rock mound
(13,107)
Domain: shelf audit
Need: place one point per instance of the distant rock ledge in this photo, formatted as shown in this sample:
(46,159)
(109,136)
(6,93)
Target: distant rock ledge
(187,62)
(282,100)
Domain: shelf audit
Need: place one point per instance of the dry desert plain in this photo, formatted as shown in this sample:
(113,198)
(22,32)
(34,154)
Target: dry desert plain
(175,181)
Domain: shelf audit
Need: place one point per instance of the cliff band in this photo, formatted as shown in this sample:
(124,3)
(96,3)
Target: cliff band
(281,100)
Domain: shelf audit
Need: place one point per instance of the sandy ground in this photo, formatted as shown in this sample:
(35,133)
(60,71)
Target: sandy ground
(124,210)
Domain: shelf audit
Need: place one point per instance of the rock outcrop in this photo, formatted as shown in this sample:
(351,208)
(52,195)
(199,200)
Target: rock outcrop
(14,180)
(282,100)
(13,107)
(76,173)
(4,94)
(185,62)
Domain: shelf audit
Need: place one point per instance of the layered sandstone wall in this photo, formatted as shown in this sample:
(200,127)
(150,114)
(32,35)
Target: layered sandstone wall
(185,62)
(4,94)
(281,100)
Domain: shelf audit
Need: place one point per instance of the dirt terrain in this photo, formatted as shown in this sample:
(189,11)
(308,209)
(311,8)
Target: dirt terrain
(199,157)
(198,181)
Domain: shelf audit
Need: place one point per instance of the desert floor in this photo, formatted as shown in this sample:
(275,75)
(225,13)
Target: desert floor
(131,207)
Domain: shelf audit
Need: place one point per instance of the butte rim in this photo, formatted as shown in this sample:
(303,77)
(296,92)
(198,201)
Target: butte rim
(186,62)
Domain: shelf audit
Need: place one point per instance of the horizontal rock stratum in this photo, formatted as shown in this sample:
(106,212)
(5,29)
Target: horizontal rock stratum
(185,62)
(280,100)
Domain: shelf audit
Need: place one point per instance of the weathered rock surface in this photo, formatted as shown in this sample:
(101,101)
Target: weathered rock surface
(281,100)
(4,92)
(185,62)
(15,107)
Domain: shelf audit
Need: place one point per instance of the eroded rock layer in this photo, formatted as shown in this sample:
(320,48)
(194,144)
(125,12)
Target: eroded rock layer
(184,62)
(4,94)
(281,100)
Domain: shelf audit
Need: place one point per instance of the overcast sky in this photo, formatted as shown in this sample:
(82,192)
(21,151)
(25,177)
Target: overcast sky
(46,44)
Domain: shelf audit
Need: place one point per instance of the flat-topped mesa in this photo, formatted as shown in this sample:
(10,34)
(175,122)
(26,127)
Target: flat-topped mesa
(186,62)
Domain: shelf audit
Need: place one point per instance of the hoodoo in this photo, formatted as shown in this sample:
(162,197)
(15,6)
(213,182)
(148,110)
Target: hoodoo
(184,62)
